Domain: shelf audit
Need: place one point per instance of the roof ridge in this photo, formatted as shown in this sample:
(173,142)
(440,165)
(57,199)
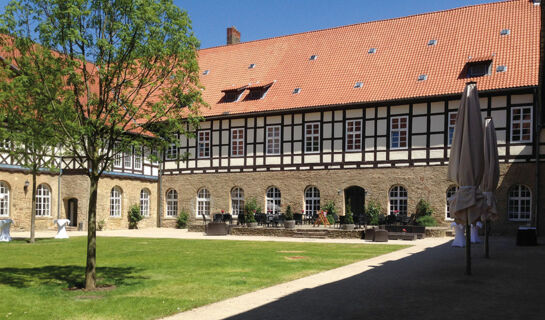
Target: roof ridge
(362,23)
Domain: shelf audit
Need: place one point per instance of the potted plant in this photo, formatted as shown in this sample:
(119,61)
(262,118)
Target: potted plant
(348,221)
(183,217)
(289,222)
(250,210)
(331,211)
(374,213)
(134,216)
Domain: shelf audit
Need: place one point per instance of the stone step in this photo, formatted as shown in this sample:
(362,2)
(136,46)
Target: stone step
(309,236)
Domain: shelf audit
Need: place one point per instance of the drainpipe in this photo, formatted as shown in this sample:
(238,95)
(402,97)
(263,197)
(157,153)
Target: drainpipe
(540,98)
(59,185)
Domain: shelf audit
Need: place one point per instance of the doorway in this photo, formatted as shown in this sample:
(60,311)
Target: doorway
(355,197)
(72,214)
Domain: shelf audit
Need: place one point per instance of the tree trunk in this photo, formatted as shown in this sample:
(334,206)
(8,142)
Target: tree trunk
(33,213)
(90,269)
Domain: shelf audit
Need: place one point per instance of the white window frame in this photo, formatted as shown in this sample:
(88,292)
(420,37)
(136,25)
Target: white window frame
(399,131)
(274,141)
(138,158)
(116,198)
(397,201)
(203,202)
(203,143)
(4,144)
(353,134)
(518,200)
(237,201)
(311,138)
(312,200)
(144,202)
(273,200)
(450,133)
(521,122)
(118,156)
(172,203)
(43,201)
(127,159)
(171,153)
(451,190)
(237,141)
(4,199)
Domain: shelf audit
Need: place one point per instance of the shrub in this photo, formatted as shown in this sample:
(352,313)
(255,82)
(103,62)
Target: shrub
(374,212)
(101,224)
(183,217)
(348,216)
(289,213)
(423,209)
(330,207)
(250,209)
(134,216)
(426,221)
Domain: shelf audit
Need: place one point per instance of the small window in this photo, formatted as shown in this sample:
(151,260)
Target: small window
(398,201)
(237,142)
(203,203)
(232,95)
(171,152)
(4,200)
(505,32)
(312,201)
(237,201)
(43,201)
(273,200)
(422,77)
(312,137)
(398,132)
(521,124)
(358,85)
(118,156)
(353,135)
(451,126)
(432,42)
(519,206)
(205,72)
(450,193)
(251,66)
(273,140)
(137,158)
(115,202)
(127,158)
(372,50)
(478,69)
(296,90)
(144,202)
(313,57)
(203,144)
(501,68)
(172,203)
(257,93)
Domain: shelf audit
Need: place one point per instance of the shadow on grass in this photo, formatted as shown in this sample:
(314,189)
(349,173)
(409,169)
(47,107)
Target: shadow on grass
(68,276)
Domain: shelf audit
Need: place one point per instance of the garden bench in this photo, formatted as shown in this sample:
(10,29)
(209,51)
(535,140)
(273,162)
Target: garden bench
(217,229)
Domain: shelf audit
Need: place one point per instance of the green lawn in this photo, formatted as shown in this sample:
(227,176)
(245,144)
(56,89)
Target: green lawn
(154,277)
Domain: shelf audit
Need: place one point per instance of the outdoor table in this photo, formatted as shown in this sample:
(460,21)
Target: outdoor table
(526,236)
(459,239)
(4,230)
(61,224)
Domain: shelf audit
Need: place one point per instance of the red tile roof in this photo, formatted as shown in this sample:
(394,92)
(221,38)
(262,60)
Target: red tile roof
(402,54)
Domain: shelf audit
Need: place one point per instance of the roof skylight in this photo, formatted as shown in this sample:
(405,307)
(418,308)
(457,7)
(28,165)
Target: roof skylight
(372,50)
(252,65)
(432,42)
(205,72)
(358,85)
(296,90)
(422,77)
(313,57)
(505,32)
(501,68)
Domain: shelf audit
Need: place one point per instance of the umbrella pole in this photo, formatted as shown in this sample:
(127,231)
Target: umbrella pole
(468,245)
(486,235)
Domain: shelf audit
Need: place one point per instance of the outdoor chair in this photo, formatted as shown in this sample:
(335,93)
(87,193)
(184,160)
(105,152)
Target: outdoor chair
(241,220)
(404,220)
(390,219)
(380,236)
(309,218)
(298,217)
(227,218)
(337,220)
(279,220)
(218,217)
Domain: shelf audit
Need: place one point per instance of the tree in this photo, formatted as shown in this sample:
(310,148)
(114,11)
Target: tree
(28,90)
(131,77)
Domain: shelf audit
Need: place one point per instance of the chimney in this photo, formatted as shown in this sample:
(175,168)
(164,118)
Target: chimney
(233,36)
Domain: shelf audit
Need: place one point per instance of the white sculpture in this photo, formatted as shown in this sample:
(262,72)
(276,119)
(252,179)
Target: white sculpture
(459,238)
(61,224)
(4,230)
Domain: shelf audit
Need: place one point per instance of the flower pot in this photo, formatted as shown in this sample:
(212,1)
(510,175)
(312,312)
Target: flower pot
(251,224)
(289,224)
(348,226)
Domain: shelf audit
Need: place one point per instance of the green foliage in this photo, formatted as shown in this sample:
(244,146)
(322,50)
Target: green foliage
(423,208)
(348,216)
(101,224)
(183,217)
(134,216)
(330,207)
(288,215)
(374,212)
(427,221)
(250,209)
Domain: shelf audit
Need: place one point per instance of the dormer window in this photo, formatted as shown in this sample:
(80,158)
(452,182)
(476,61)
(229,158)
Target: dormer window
(296,90)
(205,72)
(251,66)
(432,42)
(478,68)
(258,92)
(422,77)
(358,85)
(372,50)
(233,95)
(505,32)
(313,57)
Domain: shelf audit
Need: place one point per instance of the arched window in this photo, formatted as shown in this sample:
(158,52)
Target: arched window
(312,200)
(4,200)
(519,205)
(115,202)
(172,203)
(273,200)
(203,202)
(450,192)
(398,200)
(144,202)
(43,201)
(237,201)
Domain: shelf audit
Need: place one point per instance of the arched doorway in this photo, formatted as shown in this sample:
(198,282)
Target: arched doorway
(72,212)
(355,197)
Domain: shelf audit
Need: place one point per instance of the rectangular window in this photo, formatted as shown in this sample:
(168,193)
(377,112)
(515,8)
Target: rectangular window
(4,145)
(172,152)
(204,144)
(521,124)
(118,156)
(398,132)
(312,137)
(353,135)
(451,126)
(273,140)
(127,159)
(137,158)
(237,142)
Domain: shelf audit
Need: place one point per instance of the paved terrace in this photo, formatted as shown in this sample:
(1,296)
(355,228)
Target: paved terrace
(424,281)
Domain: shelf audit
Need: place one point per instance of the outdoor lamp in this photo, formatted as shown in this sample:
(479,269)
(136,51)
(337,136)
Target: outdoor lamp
(26,185)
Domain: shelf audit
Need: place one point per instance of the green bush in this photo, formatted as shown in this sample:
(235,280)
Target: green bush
(134,216)
(101,224)
(348,216)
(330,207)
(289,214)
(183,217)
(250,209)
(374,212)
(423,209)
(426,221)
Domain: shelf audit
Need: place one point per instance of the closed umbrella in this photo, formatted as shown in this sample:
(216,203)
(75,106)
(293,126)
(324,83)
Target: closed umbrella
(491,178)
(466,164)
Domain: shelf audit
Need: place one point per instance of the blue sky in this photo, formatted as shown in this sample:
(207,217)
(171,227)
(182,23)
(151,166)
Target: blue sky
(259,19)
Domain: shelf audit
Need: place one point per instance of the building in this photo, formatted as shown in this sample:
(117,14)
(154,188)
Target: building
(346,114)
